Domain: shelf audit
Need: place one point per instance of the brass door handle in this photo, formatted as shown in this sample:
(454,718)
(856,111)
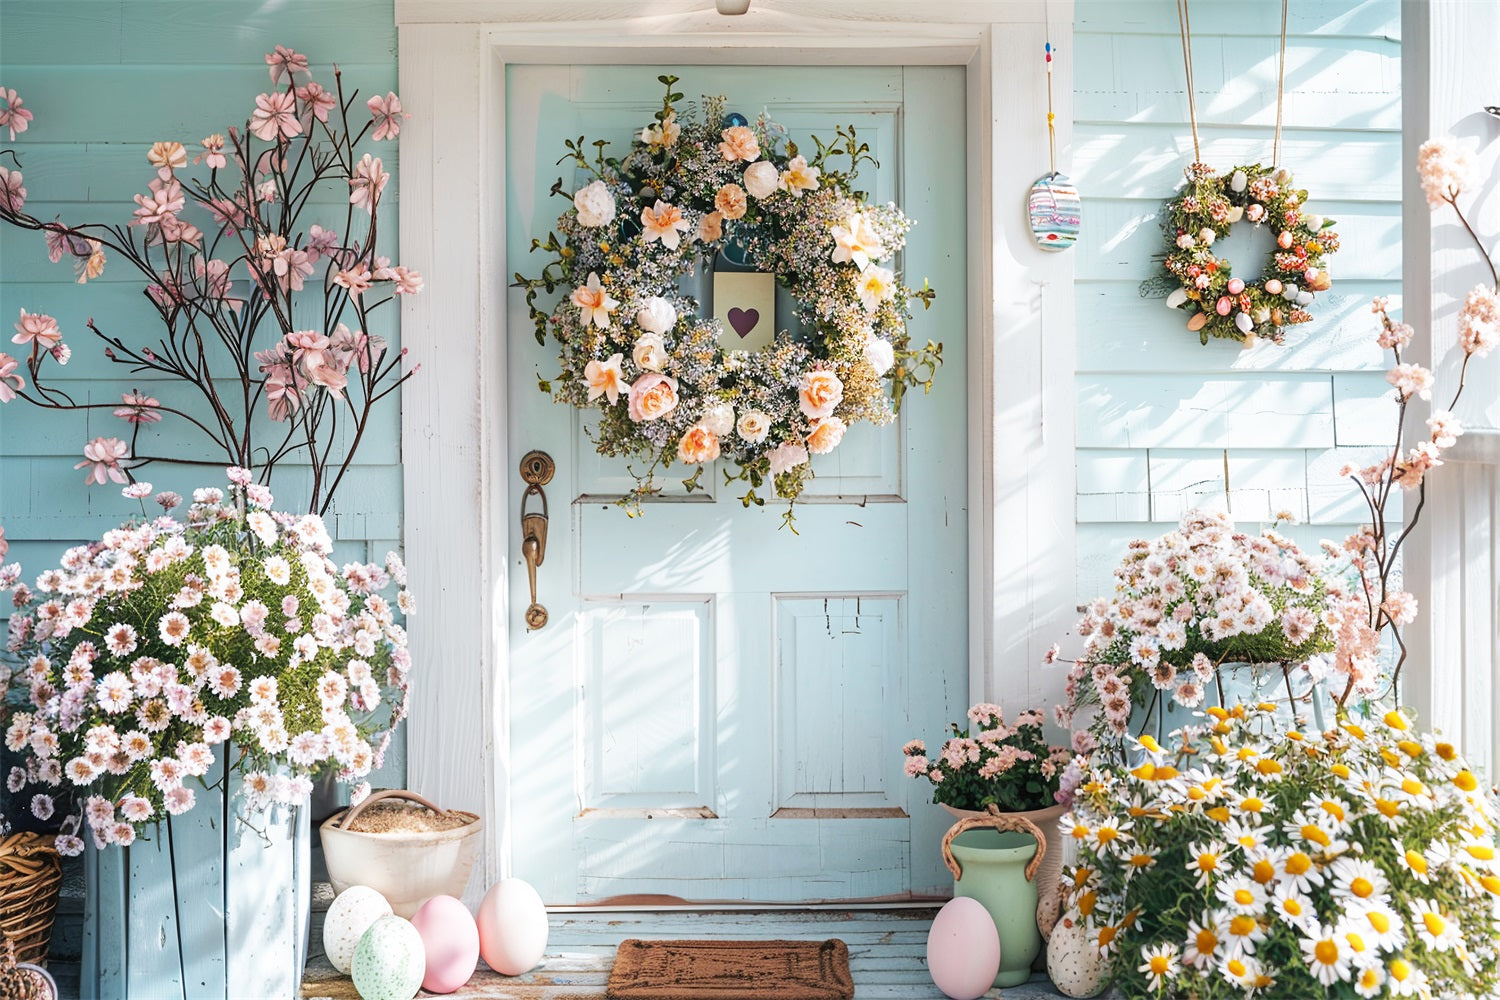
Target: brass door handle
(536,470)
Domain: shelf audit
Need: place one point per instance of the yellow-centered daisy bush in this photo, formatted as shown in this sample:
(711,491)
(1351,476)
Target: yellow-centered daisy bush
(1255,860)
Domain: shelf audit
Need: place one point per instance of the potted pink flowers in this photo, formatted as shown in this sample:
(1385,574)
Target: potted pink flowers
(1008,767)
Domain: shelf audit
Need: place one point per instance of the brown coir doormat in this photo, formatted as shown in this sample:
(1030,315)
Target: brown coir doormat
(731,970)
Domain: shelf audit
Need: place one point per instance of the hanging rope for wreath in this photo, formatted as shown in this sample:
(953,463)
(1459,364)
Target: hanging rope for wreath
(669,382)
(1219,303)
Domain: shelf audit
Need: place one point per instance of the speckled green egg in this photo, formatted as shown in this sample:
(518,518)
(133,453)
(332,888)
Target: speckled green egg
(389,961)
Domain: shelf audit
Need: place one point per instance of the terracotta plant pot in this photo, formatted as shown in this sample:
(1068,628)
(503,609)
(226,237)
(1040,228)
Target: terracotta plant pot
(407,868)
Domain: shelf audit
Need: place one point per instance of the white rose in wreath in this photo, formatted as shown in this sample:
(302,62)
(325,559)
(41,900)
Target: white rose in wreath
(718,419)
(762,179)
(596,206)
(754,425)
(656,315)
(879,354)
(649,353)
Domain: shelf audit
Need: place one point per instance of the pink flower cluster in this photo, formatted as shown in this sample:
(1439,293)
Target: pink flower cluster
(1184,603)
(1002,764)
(144,652)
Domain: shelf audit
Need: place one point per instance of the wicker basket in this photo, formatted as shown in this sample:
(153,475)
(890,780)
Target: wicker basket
(30,878)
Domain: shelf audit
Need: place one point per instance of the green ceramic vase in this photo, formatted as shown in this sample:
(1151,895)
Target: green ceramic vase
(994,860)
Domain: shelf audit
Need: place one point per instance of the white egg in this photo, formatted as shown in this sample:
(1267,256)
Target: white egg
(963,949)
(512,927)
(350,915)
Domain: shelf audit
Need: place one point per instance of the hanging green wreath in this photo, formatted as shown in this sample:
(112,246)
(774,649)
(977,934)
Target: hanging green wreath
(1220,304)
(634,347)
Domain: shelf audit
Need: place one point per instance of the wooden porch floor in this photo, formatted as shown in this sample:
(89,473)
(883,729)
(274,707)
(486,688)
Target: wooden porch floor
(887,951)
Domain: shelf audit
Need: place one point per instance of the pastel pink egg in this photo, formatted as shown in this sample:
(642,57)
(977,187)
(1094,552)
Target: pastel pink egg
(1311,274)
(1273,286)
(963,949)
(1223,306)
(451,939)
(1236,286)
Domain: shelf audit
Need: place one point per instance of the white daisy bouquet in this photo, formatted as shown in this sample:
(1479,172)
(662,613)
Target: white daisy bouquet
(1257,861)
(1198,597)
(168,642)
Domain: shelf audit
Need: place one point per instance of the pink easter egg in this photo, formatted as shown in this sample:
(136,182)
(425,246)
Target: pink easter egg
(451,939)
(1236,286)
(1223,306)
(1311,274)
(963,949)
(1273,286)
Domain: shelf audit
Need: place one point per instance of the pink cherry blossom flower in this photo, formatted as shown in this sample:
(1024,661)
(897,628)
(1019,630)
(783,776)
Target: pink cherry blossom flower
(39,329)
(12,194)
(164,201)
(320,242)
(408,280)
(139,409)
(291,267)
(1410,380)
(282,394)
(1479,321)
(285,63)
(13,116)
(1445,428)
(10,382)
(102,457)
(367,183)
(1446,168)
(387,114)
(226,212)
(275,116)
(356,279)
(316,102)
(213,152)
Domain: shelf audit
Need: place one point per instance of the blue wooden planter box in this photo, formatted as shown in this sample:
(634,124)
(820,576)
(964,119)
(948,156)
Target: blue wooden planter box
(210,905)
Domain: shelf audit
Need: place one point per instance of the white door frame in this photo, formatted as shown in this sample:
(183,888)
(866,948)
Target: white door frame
(460,531)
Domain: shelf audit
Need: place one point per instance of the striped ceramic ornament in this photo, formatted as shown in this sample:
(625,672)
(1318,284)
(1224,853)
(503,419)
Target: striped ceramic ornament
(1055,212)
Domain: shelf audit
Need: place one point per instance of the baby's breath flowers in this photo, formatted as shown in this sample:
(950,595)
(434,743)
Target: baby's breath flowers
(143,655)
(1262,861)
(634,347)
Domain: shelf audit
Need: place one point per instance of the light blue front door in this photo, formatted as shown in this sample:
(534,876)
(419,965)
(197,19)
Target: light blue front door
(716,708)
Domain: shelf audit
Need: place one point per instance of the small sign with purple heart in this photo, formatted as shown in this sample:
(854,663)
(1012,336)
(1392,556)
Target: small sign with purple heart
(745,303)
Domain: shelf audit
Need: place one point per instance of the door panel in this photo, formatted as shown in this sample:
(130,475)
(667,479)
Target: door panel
(716,707)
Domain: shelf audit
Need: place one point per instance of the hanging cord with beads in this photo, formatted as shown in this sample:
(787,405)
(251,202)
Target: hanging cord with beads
(1051,117)
(1280,90)
(1186,30)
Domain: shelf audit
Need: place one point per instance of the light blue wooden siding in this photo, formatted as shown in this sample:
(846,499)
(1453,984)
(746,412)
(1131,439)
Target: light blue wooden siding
(105,79)
(1160,416)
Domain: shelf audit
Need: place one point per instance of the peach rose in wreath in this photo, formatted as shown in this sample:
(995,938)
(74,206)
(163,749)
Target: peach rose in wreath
(730,201)
(740,144)
(698,445)
(825,435)
(652,396)
(819,392)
